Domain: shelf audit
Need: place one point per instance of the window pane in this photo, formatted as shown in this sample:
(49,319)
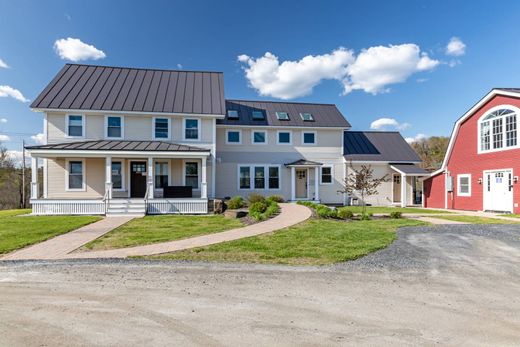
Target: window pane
(284,137)
(113,132)
(161,128)
(76,120)
(232,114)
(326,175)
(274,181)
(282,115)
(233,136)
(161,175)
(76,167)
(75,175)
(511,131)
(258,115)
(117,177)
(114,121)
(308,138)
(259,177)
(75,126)
(192,176)
(192,129)
(259,137)
(307,116)
(497,133)
(485,136)
(245,177)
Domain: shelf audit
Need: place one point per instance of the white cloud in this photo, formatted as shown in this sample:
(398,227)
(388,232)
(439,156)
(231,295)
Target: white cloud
(455,47)
(179,66)
(372,70)
(416,138)
(3,64)
(385,123)
(6,91)
(76,50)
(3,120)
(39,138)
(4,138)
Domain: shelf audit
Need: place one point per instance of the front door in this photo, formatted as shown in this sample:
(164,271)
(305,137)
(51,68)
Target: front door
(498,191)
(397,187)
(137,179)
(301,183)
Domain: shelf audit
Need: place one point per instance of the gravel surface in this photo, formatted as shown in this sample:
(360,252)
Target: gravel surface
(448,285)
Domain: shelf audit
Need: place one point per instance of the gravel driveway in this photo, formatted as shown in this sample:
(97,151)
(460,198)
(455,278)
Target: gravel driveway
(448,285)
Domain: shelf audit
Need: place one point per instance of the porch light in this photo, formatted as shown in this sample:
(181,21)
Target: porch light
(480,181)
(515,179)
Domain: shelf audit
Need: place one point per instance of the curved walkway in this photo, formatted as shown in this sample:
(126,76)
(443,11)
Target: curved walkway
(290,214)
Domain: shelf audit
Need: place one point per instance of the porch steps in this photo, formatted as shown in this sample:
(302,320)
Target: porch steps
(126,207)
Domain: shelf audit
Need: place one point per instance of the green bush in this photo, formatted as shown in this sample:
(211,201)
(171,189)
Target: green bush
(254,197)
(396,215)
(262,210)
(324,212)
(258,207)
(344,213)
(235,202)
(309,204)
(276,198)
(366,216)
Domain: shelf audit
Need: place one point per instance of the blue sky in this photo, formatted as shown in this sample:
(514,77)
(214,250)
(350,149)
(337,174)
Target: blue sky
(391,57)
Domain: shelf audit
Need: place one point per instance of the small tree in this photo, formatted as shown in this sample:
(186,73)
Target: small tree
(362,180)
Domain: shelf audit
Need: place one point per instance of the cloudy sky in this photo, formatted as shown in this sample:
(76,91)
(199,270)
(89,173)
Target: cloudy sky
(412,66)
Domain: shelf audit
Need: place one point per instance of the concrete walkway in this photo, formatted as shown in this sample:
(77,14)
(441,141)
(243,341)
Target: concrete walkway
(290,214)
(59,246)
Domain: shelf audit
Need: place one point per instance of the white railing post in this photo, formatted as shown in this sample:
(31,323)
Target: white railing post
(316,184)
(293,183)
(34,178)
(108,177)
(203,183)
(150,178)
(403,191)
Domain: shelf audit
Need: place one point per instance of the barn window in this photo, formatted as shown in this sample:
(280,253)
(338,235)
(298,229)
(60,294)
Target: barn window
(498,130)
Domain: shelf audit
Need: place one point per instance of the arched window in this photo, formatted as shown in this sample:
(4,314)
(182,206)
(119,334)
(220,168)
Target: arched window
(498,129)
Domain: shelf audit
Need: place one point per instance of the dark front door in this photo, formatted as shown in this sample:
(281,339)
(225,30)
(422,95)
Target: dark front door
(137,179)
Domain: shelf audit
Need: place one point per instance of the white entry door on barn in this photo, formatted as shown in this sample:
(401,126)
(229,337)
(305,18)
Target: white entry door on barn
(498,190)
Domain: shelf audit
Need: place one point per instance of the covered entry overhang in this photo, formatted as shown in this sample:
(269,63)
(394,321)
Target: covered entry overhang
(144,151)
(300,179)
(405,171)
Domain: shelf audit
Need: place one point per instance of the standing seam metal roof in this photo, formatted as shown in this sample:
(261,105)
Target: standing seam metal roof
(377,146)
(113,145)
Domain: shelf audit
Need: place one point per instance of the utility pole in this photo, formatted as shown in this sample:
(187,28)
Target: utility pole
(23,173)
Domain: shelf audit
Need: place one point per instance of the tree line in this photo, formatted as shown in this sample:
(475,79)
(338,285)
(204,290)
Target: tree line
(12,187)
(431,150)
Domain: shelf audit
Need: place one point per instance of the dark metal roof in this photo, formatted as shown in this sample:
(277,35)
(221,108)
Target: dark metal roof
(303,162)
(325,115)
(410,169)
(112,145)
(93,87)
(377,146)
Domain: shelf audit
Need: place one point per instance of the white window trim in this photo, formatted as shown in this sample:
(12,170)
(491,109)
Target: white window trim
(331,175)
(199,128)
(253,137)
(266,177)
(278,137)
(83,179)
(468,176)
(184,161)
(169,129)
(168,172)
(83,124)
(315,138)
(239,137)
(122,128)
(123,180)
(479,130)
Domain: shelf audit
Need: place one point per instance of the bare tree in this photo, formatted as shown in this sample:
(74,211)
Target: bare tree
(363,182)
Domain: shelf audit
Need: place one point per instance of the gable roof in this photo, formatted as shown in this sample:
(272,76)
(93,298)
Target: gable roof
(325,115)
(387,146)
(106,88)
(116,145)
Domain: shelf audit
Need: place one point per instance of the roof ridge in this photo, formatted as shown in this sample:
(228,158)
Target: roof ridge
(144,68)
(282,102)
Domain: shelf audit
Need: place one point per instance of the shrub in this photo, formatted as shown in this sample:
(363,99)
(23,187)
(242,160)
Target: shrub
(254,197)
(258,207)
(366,216)
(310,204)
(396,215)
(324,212)
(276,198)
(262,210)
(235,202)
(344,213)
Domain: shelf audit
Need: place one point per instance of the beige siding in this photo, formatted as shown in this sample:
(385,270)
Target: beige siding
(94,175)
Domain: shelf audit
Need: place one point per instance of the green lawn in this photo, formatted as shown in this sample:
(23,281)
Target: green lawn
(314,242)
(18,231)
(512,215)
(153,229)
(387,210)
(477,220)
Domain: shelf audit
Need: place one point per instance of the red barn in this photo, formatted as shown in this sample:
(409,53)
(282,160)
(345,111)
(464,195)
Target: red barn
(482,164)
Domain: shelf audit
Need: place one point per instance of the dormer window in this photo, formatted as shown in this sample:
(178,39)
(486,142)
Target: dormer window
(232,114)
(498,129)
(282,115)
(307,117)
(258,115)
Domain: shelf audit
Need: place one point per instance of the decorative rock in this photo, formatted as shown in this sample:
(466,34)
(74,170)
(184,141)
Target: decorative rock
(218,206)
(235,213)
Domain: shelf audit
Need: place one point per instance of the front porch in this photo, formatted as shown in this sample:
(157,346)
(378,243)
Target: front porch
(155,179)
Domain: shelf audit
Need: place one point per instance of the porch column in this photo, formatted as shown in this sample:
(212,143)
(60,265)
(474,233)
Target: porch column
(293,183)
(108,177)
(150,187)
(34,178)
(403,190)
(316,184)
(203,182)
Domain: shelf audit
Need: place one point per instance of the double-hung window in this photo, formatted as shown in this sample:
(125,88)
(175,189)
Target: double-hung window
(191,129)
(161,175)
(309,138)
(191,174)
(326,174)
(259,137)
(284,138)
(161,128)
(117,175)
(75,126)
(274,177)
(464,185)
(75,175)
(259,177)
(245,177)
(233,137)
(114,127)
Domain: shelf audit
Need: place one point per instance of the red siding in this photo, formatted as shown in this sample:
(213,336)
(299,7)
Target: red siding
(465,159)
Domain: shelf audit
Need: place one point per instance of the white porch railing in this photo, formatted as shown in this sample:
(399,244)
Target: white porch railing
(177,206)
(65,207)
